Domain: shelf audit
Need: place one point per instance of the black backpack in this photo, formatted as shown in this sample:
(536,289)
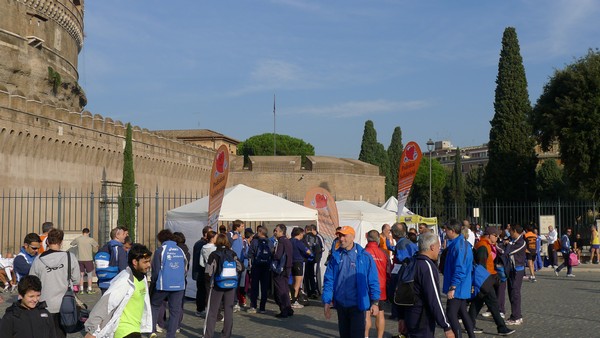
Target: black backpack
(404,294)
(73,314)
(263,252)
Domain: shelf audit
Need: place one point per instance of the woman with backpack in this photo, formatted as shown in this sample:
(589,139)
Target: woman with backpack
(223,267)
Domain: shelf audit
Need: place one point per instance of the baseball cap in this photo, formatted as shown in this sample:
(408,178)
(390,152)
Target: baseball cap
(346,230)
(491,231)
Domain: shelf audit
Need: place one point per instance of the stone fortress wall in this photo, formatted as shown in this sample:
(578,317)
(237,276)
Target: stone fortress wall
(48,143)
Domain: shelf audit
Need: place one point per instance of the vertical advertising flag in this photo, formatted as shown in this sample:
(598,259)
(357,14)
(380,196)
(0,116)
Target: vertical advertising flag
(320,199)
(409,164)
(218,181)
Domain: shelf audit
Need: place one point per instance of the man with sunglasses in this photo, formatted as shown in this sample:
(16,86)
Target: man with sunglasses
(29,251)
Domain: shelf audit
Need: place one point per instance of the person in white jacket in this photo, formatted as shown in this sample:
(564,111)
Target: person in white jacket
(124,310)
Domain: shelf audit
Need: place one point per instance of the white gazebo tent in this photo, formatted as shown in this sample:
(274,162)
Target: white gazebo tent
(240,202)
(363,217)
(392,205)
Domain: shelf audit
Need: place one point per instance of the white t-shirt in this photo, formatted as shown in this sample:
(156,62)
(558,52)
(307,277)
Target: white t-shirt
(471,238)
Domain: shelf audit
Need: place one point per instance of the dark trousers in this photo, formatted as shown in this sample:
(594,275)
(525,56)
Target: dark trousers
(175,299)
(351,322)
(310,281)
(200,291)
(259,275)
(566,262)
(487,295)
(501,295)
(134,335)
(215,298)
(456,308)
(552,256)
(282,292)
(514,282)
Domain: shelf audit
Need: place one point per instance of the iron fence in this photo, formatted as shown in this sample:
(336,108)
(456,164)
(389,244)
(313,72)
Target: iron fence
(24,211)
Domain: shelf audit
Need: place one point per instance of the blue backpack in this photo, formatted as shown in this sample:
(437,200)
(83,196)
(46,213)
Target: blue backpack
(263,253)
(226,276)
(106,269)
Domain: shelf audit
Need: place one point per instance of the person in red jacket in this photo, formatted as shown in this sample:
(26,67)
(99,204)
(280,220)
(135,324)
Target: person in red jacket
(382,261)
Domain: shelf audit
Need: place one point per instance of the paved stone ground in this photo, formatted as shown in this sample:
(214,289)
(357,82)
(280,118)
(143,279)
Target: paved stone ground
(552,307)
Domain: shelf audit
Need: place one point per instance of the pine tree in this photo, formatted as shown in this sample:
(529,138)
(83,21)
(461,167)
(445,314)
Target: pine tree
(127,200)
(394,153)
(510,173)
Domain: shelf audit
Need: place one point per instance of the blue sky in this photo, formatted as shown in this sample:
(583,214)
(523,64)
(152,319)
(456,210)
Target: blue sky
(426,66)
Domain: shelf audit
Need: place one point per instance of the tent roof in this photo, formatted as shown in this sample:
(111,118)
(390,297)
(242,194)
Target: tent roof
(392,205)
(248,204)
(361,210)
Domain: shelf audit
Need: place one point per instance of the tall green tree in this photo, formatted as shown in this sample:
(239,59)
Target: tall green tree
(568,111)
(394,151)
(456,188)
(127,200)
(419,193)
(550,183)
(474,186)
(372,151)
(510,173)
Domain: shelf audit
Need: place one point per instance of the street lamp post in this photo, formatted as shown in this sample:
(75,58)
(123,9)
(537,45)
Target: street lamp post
(430,145)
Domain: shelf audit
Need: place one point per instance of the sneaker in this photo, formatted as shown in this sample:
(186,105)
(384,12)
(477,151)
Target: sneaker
(505,331)
(297,305)
(486,314)
(501,314)
(153,335)
(514,321)
(91,292)
(159,329)
(570,275)
(178,331)
(477,330)
(236,308)
(556,272)
(252,310)
(220,318)
(80,292)
(532,279)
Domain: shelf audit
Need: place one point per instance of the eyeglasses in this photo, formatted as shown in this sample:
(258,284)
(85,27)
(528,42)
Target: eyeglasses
(34,247)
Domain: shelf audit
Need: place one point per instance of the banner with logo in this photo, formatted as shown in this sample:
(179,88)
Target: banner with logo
(218,181)
(409,164)
(321,200)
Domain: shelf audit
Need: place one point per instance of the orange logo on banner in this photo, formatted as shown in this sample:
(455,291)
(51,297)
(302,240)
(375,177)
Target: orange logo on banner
(409,164)
(320,199)
(218,181)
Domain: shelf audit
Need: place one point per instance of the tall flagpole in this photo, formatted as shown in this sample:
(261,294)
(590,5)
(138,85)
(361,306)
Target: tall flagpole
(274,142)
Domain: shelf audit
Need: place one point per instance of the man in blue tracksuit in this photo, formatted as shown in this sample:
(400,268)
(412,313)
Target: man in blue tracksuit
(169,267)
(351,284)
(457,278)
(118,255)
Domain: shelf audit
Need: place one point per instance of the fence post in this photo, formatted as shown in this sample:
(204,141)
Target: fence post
(155,217)
(92,211)
(59,209)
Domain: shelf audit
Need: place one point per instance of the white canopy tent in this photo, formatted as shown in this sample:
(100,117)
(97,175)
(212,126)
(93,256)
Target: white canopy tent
(363,217)
(392,205)
(240,202)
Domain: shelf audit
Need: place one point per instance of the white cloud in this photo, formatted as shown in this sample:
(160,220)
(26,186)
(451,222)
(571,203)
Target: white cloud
(359,108)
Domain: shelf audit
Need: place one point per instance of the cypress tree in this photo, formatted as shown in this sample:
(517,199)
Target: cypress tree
(456,187)
(394,152)
(510,173)
(368,147)
(127,200)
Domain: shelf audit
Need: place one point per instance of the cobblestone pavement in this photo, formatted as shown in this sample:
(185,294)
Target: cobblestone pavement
(552,307)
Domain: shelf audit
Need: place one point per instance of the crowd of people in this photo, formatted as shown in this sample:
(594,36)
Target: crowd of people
(239,268)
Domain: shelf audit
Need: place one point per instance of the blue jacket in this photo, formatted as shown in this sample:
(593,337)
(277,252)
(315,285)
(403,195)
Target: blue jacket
(404,249)
(367,280)
(458,267)
(565,244)
(169,267)
(22,263)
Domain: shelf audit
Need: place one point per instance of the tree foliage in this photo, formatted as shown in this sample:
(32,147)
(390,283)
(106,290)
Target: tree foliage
(262,145)
(372,151)
(456,187)
(127,200)
(568,111)
(474,185)
(394,153)
(510,173)
(419,194)
(549,181)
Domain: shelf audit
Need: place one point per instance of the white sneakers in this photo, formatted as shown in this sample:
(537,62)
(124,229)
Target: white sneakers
(514,321)
(297,305)
(236,308)
(570,275)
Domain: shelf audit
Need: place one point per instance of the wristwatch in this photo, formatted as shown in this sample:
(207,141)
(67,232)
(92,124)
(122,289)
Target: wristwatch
(452,288)
(375,302)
